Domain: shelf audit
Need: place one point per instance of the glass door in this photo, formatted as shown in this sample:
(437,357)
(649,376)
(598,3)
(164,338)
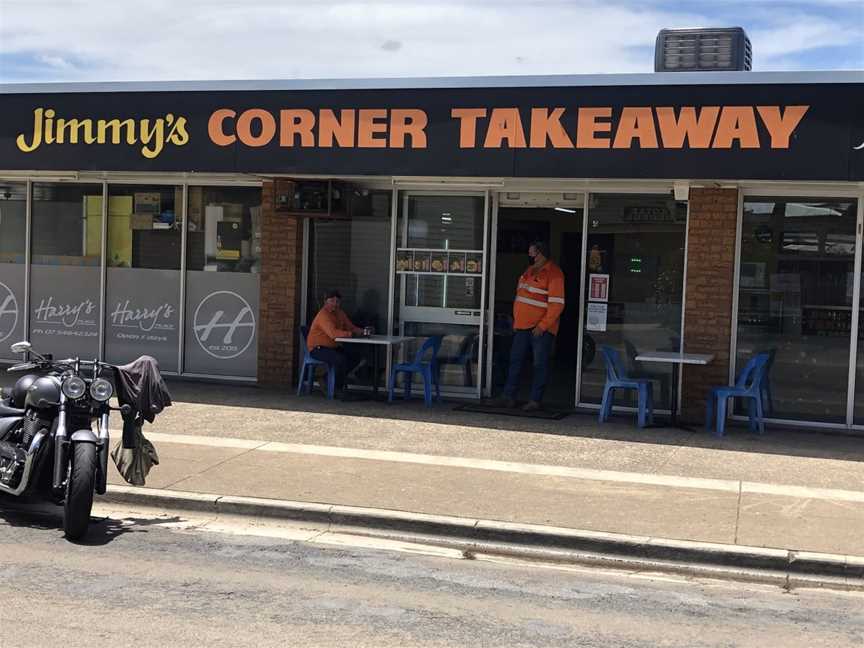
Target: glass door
(521,219)
(440,281)
(634,285)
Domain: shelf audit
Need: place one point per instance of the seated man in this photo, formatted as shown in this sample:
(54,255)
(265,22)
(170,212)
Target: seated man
(330,323)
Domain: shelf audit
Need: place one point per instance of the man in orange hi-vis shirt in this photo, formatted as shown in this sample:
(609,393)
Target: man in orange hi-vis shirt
(536,315)
(330,323)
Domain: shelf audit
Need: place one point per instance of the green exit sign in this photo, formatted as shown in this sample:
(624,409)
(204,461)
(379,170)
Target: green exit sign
(636,265)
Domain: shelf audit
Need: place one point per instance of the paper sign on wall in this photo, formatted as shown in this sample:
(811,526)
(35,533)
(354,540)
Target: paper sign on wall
(598,287)
(596,316)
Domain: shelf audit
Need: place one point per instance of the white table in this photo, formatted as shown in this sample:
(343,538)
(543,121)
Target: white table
(388,341)
(675,358)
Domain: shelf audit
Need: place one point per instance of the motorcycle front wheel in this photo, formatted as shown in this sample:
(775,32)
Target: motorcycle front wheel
(79,491)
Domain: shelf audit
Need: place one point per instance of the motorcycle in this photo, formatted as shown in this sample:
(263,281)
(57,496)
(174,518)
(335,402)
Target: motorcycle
(48,445)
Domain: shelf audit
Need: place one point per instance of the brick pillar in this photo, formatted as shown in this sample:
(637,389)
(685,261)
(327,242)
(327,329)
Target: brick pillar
(281,272)
(708,300)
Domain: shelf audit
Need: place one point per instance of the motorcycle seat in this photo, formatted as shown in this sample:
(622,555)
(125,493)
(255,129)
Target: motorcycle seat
(5,410)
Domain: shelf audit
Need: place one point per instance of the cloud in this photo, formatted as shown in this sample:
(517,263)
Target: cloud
(799,36)
(86,40)
(55,61)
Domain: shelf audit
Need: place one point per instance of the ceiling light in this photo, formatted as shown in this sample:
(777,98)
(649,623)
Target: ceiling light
(565,209)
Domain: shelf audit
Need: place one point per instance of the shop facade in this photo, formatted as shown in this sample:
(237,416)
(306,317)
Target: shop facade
(718,213)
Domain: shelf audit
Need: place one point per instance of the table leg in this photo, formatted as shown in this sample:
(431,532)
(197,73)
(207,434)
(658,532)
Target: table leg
(676,386)
(374,371)
(673,392)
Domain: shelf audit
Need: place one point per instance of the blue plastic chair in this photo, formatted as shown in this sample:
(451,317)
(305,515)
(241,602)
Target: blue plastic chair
(638,370)
(767,395)
(307,369)
(426,368)
(617,378)
(748,385)
(464,358)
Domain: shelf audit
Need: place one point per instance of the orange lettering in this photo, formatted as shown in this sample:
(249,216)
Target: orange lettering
(547,125)
(244,127)
(736,122)
(588,127)
(216,127)
(342,129)
(468,124)
(505,123)
(368,128)
(408,122)
(636,123)
(781,127)
(296,122)
(697,130)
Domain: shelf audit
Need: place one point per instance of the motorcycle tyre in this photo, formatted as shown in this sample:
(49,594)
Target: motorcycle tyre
(79,491)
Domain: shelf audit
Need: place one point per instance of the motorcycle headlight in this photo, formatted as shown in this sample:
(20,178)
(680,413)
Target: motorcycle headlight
(101,390)
(74,387)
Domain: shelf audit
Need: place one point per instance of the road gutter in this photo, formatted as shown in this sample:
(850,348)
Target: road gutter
(786,568)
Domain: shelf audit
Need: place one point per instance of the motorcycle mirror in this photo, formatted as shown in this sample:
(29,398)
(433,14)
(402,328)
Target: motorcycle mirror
(21,347)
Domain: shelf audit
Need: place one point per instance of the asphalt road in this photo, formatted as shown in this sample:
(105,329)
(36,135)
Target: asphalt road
(161,580)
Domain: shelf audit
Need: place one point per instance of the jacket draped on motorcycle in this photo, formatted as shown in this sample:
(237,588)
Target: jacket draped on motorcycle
(141,387)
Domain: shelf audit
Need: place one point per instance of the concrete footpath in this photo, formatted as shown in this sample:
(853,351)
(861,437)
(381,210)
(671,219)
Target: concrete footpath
(789,501)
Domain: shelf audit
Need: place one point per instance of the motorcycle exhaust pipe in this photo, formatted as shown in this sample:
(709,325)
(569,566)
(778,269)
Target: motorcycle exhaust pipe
(29,463)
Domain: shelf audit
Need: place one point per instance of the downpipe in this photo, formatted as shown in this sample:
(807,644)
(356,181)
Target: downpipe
(29,460)
(61,446)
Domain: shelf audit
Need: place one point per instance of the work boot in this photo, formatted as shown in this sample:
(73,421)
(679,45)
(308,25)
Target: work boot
(503,403)
(531,406)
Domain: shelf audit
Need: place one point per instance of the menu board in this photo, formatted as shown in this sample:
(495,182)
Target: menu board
(443,262)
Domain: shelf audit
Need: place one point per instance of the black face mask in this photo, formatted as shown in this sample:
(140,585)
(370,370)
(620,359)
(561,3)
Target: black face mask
(531,260)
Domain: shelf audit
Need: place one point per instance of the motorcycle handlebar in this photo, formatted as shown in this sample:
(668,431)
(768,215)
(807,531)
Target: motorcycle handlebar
(90,363)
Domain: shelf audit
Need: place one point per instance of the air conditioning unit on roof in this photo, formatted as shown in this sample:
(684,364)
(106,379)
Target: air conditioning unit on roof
(703,50)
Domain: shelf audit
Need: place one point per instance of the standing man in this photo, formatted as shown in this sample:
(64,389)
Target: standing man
(330,323)
(536,314)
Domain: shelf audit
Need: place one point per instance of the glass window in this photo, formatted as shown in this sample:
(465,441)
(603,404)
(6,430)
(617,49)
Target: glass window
(353,257)
(634,285)
(445,222)
(65,277)
(439,266)
(795,301)
(13,242)
(144,249)
(223,261)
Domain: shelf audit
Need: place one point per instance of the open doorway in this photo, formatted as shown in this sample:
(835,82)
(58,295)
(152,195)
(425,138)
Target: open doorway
(558,222)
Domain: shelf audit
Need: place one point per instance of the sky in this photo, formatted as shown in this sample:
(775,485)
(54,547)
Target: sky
(160,40)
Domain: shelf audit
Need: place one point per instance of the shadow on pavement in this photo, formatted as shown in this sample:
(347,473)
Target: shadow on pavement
(44,516)
(801,442)
(105,530)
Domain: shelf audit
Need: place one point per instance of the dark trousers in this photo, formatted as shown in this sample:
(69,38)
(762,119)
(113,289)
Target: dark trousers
(338,358)
(540,347)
